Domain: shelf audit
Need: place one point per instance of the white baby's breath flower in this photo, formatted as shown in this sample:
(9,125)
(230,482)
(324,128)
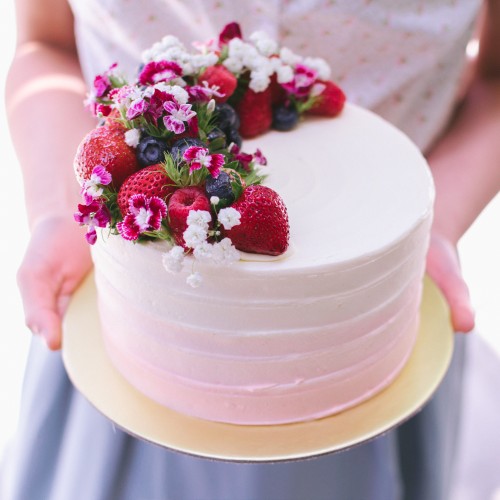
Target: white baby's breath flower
(195,235)
(289,57)
(233,64)
(194,280)
(224,253)
(132,137)
(320,66)
(199,61)
(259,81)
(173,259)
(264,43)
(229,217)
(284,73)
(200,218)
(203,252)
(214,200)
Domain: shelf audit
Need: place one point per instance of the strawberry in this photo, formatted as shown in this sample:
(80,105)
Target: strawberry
(330,102)
(149,181)
(221,77)
(180,204)
(107,147)
(255,112)
(263,227)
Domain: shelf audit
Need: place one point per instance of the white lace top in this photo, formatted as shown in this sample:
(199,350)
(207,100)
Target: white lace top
(401,58)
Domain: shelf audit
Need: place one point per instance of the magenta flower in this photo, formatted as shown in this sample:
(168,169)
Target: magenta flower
(92,187)
(144,214)
(178,114)
(159,71)
(246,159)
(302,82)
(101,85)
(230,31)
(198,157)
(93,215)
(155,106)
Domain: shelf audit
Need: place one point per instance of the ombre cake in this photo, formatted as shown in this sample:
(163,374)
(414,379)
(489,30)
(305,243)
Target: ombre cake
(272,340)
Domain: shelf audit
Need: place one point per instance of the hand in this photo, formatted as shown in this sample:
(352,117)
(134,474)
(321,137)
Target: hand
(443,267)
(56,260)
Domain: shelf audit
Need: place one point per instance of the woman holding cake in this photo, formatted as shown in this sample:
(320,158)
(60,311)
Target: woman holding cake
(405,63)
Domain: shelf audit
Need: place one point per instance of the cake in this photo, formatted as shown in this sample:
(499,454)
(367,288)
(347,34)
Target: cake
(276,336)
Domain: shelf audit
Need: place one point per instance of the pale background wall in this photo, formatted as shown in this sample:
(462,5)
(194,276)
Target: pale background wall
(480,252)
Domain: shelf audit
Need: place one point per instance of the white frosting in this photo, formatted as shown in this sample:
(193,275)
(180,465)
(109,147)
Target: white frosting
(273,341)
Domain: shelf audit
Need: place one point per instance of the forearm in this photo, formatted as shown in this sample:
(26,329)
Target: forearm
(47,119)
(466,161)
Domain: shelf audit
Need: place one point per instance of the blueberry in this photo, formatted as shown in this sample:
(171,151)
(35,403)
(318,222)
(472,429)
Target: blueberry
(179,147)
(285,118)
(220,186)
(216,134)
(226,117)
(233,135)
(151,150)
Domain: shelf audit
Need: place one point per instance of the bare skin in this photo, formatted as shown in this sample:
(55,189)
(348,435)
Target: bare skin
(45,81)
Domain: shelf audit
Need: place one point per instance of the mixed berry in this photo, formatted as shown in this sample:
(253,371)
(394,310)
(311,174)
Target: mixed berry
(167,162)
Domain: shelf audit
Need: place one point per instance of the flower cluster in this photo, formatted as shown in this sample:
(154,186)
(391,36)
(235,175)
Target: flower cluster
(197,238)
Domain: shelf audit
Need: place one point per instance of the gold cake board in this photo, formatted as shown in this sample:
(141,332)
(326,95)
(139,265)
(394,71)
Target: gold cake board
(93,375)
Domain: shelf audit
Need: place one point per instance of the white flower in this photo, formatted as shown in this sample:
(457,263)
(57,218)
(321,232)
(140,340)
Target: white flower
(203,252)
(199,218)
(320,66)
(195,235)
(173,259)
(199,61)
(214,200)
(284,73)
(194,280)
(259,81)
(224,253)
(132,137)
(289,57)
(264,44)
(229,217)
(233,64)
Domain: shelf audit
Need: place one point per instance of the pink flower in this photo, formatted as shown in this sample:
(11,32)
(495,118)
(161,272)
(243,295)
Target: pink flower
(178,114)
(198,157)
(302,82)
(144,214)
(246,159)
(203,93)
(137,108)
(159,71)
(101,85)
(259,158)
(93,215)
(91,188)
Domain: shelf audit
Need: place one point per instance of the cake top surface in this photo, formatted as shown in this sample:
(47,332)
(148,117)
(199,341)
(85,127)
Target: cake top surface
(353,186)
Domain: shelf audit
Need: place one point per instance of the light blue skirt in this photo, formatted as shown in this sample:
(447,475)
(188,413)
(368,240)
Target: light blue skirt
(66,450)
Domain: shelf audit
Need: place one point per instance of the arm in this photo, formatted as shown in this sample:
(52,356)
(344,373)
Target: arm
(44,95)
(465,165)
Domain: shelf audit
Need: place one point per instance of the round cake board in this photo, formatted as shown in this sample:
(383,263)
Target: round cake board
(93,375)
